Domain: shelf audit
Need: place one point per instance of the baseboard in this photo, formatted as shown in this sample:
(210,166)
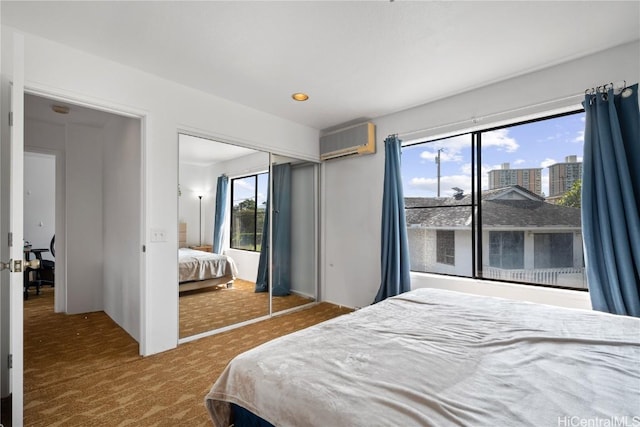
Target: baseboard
(302,294)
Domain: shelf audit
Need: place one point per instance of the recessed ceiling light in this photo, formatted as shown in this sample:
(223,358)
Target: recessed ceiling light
(299,96)
(60,109)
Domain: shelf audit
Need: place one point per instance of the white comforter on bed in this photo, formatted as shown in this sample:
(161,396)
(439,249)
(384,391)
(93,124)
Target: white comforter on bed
(199,265)
(437,358)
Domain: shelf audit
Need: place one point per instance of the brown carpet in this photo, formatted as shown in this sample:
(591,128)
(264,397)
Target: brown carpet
(83,370)
(212,308)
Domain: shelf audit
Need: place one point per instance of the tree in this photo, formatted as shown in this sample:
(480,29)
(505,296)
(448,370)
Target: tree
(247,220)
(572,198)
(246,205)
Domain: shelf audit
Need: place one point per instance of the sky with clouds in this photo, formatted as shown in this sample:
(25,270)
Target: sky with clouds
(532,145)
(245,188)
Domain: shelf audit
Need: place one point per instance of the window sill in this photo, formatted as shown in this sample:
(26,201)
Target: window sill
(559,297)
(245,250)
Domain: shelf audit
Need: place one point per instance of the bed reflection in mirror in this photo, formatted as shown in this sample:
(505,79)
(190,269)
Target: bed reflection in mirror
(223,228)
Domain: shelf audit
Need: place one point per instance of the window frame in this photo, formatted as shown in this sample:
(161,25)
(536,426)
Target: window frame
(255,212)
(476,202)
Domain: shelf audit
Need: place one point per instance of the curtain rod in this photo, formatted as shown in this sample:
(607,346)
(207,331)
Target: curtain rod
(476,120)
(621,85)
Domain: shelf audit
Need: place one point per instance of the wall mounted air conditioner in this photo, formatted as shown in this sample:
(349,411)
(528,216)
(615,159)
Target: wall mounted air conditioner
(354,140)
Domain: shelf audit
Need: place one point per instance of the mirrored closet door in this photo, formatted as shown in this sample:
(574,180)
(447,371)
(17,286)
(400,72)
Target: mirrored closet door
(294,250)
(244,253)
(222,208)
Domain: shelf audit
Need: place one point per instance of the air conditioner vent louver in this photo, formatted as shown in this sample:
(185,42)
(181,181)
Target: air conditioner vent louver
(354,140)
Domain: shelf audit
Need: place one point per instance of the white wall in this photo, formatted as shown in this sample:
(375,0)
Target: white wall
(247,263)
(257,162)
(58,70)
(84,206)
(39,200)
(352,187)
(121,153)
(194,182)
(303,232)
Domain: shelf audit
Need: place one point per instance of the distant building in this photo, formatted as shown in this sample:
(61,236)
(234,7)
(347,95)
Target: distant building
(524,238)
(530,179)
(562,176)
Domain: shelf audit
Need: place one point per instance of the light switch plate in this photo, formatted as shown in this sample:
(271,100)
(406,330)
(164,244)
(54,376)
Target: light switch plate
(158,235)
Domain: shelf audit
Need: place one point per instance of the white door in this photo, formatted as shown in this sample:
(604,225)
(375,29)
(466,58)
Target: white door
(15,219)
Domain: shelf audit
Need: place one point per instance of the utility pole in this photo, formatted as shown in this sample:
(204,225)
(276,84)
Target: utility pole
(438,163)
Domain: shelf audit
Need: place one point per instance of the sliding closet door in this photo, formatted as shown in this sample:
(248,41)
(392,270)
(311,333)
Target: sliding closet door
(294,270)
(269,232)
(213,304)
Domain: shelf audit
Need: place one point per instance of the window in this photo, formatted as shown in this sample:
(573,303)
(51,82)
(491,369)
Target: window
(439,207)
(506,249)
(499,204)
(248,195)
(553,250)
(446,247)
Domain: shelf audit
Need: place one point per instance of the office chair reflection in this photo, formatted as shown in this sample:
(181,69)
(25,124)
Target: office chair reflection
(45,275)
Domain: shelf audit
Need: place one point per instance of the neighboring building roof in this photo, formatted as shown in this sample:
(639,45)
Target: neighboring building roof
(512,192)
(511,206)
(449,217)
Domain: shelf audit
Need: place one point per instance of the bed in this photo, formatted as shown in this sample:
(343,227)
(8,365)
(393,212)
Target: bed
(200,269)
(436,358)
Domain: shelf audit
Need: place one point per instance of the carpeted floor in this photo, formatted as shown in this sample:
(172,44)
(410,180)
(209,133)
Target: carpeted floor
(212,308)
(83,370)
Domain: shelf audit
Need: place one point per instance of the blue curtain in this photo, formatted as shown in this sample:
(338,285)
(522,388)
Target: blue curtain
(262,281)
(221,209)
(395,245)
(281,240)
(611,200)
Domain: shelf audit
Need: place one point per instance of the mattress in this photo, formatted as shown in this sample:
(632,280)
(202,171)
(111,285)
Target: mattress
(199,265)
(437,358)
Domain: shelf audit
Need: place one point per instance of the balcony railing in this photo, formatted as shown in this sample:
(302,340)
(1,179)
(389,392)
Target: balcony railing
(569,277)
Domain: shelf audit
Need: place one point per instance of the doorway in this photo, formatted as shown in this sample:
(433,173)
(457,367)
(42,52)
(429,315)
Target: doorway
(98,206)
(98,214)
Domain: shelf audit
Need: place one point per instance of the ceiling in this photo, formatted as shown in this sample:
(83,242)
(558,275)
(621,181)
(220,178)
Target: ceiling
(193,150)
(204,152)
(356,59)
(38,108)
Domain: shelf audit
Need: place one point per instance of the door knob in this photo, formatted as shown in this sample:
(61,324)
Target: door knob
(34,264)
(17,265)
